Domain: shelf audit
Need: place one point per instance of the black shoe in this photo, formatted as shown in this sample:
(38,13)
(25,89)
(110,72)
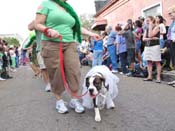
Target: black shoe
(9,77)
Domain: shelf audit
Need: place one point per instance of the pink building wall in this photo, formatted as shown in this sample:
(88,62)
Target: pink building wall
(120,11)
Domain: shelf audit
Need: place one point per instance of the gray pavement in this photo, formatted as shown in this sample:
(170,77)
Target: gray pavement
(140,106)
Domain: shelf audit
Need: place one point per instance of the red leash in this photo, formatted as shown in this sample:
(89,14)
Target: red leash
(63,73)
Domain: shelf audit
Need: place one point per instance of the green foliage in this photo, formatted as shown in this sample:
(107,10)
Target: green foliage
(12,41)
(86,21)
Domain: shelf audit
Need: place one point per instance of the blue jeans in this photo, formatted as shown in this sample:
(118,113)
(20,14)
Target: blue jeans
(24,57)
(162,43)
(97,57)
(17,61)
(113,56)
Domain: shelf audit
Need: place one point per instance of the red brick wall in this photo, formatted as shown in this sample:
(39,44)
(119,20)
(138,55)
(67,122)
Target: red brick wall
(124,9)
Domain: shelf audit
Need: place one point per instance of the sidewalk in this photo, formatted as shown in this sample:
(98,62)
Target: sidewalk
(168,76)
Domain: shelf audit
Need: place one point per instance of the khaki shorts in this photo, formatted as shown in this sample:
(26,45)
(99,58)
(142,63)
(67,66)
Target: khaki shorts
(50,54)
(40,61)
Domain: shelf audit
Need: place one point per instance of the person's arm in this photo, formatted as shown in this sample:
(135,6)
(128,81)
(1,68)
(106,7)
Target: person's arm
(31,26)
(163,50)
(40,26)
(137,35)
(162,29)
(117,44)
(89,33)
(144,36)
(39,22)
(30,42)
(123,32)
(152,32)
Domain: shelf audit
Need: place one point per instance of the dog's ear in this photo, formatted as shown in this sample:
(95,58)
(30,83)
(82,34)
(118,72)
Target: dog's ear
(87,82)
(104,83)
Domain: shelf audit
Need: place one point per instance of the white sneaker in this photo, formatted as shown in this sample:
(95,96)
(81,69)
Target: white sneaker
(1,79)
(61,107)
(75,104)
(114,71)
(48,88)
(121,73)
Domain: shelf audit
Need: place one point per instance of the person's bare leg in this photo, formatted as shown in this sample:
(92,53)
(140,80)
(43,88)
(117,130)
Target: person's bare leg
(150,67)
(158,66)
(139,57)
(58,97)
(132,66)
(45,76)
(34,68)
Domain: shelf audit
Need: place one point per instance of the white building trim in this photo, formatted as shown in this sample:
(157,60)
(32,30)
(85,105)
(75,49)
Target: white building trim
(152,6)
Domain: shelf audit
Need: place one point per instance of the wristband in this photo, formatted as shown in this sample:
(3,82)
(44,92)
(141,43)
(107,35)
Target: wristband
(46,33)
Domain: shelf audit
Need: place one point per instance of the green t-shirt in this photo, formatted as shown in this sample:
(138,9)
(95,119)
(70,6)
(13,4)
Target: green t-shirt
(57,19)
(29,42)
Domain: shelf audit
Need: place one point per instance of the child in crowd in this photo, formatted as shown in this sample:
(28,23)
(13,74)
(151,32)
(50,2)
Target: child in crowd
(121,49)
(138,33)
(141,68)
(13,58)
(87,60)
(97,51)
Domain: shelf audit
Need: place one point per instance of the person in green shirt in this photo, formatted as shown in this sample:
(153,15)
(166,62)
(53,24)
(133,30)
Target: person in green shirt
(31,46)
(40,60)
(55,18)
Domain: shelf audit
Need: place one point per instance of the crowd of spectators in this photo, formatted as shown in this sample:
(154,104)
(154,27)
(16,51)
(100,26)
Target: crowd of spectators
(133,49)
(9,60)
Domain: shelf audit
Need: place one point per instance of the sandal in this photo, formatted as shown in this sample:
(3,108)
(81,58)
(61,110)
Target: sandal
(158,81)
(147,79)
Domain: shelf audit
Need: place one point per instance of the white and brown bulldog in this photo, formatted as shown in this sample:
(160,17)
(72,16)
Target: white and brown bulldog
(101,85)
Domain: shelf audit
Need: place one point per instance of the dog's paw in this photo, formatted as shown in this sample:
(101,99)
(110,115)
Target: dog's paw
(101,107)
(97,118)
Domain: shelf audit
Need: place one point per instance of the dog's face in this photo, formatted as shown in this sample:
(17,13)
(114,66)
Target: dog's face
(96,84)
